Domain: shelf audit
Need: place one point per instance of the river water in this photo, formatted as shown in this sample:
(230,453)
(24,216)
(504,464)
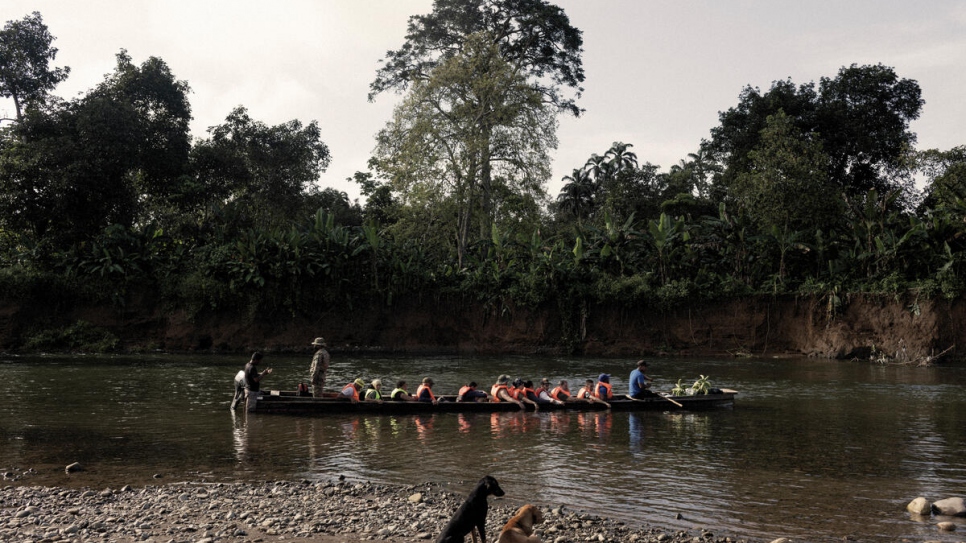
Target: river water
(815,450)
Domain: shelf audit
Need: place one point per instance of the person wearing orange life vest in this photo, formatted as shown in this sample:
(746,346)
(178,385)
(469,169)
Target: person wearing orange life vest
(501,393)
(603,390)
(586,393)
(524,393)
(425,391)
(561,392)
(468,393)
(351,390)
(543,393)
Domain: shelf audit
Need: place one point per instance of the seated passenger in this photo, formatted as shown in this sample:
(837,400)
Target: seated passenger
(586,392)
(399,394)
(561,391)
(524,393)
(425,391)
(500,392)
(603,391)
(543,393)
(469,393)
(351,390)
(374,392)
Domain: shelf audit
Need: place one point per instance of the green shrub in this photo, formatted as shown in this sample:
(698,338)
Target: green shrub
(81,336)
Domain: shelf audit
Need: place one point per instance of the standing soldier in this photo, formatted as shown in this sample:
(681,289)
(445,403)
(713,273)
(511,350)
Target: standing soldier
(320,363)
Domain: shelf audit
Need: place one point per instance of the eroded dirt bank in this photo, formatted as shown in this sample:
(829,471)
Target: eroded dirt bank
(756,326)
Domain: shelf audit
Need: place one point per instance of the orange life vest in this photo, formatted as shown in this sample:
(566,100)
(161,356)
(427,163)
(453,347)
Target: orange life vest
(608,394)
(557,392)
(583,393)
(355,392)
(527,393)
(463,390)
(419,392)
(494,392)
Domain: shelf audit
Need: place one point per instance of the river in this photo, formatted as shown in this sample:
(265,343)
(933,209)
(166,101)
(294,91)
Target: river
(813,449)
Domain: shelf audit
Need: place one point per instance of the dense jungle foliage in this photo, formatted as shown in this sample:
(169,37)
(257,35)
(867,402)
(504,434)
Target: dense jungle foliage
(807,188)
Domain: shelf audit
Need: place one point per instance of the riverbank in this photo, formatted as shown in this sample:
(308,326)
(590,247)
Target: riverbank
(301,511)
(904,328)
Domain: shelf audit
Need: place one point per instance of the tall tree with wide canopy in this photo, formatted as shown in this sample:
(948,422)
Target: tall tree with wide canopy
(533,35)
(25,56)
(436,154)
(485,76)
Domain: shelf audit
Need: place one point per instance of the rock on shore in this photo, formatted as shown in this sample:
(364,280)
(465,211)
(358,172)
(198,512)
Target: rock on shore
(321,512)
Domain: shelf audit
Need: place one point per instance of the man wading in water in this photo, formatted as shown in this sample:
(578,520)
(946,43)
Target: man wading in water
(320,363)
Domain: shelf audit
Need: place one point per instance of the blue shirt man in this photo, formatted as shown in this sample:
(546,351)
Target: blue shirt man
(639,382)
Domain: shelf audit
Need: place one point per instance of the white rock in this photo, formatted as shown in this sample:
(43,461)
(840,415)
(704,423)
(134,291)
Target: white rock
(954,507)
(946,526)
(919,506)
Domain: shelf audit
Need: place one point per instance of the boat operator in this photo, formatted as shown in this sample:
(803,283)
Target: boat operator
(639,383)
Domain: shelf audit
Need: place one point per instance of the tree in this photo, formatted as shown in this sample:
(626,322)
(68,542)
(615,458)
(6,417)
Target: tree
(25,57)
(577,195)
(861,117)
(534,36)
(474,137)
(73,168)
(156,105)
(261,173)
(739,131)
(945,173)
(380,205)
(786,186)
(490,75)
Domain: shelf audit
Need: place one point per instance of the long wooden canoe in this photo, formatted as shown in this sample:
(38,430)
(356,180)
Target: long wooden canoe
(286,402)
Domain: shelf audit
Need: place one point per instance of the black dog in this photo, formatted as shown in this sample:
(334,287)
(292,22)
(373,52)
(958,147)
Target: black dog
(472,514)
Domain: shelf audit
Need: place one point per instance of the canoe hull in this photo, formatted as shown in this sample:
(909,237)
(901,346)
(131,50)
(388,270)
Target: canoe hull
(289,403)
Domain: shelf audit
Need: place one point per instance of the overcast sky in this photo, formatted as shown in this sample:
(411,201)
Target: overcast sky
(658,72)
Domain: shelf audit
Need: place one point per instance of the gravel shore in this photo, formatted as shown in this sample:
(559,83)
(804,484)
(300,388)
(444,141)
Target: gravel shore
(300,511)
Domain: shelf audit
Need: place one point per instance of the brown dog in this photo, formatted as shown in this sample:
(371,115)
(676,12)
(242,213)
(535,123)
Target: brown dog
(519,529)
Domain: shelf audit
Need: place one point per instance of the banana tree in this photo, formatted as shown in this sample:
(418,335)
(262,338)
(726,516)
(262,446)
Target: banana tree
(665,234)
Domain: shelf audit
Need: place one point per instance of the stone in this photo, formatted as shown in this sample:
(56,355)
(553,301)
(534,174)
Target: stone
(946,526)
(416,498)
(71,468)
(919,506)
(953,507)
(781,540)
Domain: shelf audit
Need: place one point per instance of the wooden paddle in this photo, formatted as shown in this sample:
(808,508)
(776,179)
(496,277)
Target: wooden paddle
(658,395)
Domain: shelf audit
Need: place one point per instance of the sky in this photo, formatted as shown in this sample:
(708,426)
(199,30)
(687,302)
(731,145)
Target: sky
(658,72)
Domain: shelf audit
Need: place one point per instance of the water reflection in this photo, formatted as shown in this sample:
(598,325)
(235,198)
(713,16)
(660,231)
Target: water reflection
(636,430)
(239,436)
